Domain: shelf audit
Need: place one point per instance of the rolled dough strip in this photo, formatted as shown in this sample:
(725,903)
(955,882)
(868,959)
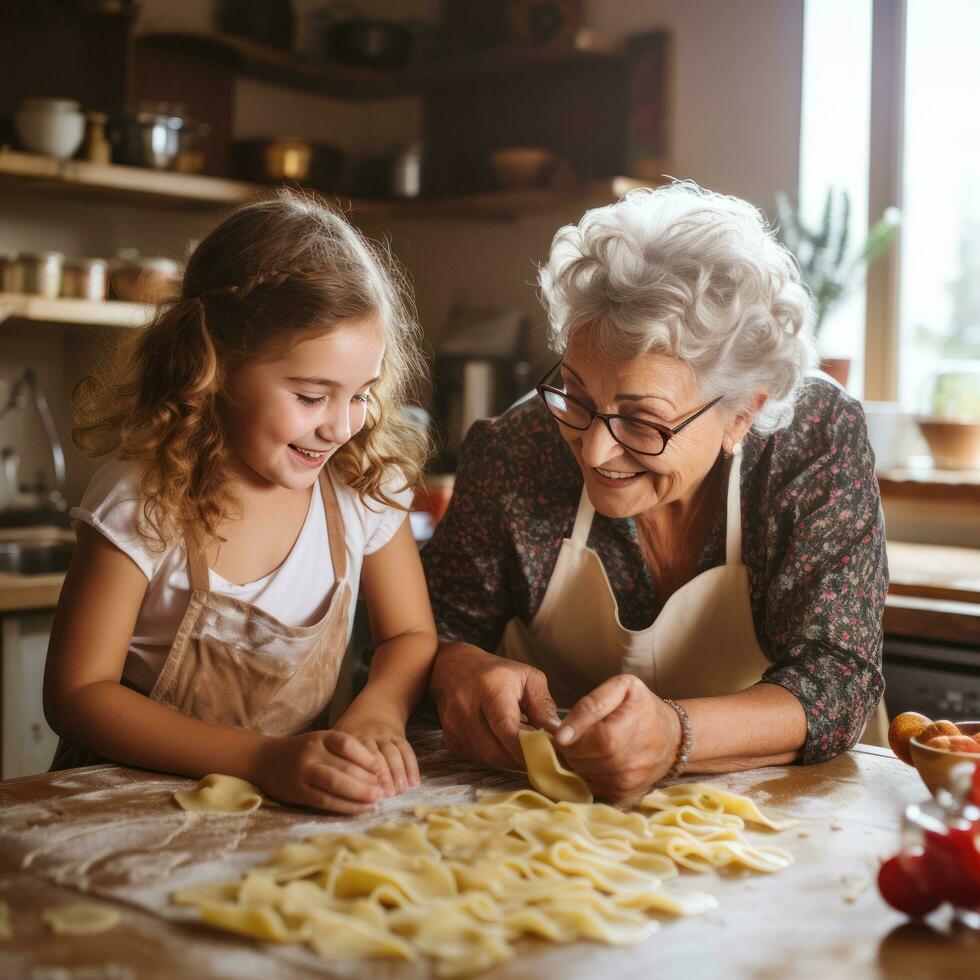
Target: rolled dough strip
(220,794)
(711,799)
(80,919)
(546,773)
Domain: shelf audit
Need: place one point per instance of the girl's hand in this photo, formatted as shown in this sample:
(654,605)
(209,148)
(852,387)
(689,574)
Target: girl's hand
(386,740)
(329,770)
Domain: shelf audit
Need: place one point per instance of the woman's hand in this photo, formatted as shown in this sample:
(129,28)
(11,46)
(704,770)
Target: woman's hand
(620,738)
(480,697)
(384,738)
(329,770)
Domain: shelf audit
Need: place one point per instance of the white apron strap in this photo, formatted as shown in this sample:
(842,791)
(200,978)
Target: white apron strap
(583,519)
(733,523)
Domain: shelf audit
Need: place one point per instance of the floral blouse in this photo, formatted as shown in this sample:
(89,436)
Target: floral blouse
(812,541)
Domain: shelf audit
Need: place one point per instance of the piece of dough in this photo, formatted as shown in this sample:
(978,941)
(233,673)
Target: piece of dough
(547,775)
(6,929)
(463,882)
(220,794)
(80,919)
(711,799)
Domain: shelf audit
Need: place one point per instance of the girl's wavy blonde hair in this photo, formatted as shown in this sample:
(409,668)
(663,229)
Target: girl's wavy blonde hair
(268,276)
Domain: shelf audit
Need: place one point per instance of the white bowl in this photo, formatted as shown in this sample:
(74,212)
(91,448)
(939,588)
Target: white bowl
(51,126)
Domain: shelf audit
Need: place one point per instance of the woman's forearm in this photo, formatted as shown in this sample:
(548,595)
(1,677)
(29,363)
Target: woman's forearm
(763,725)
(120,724)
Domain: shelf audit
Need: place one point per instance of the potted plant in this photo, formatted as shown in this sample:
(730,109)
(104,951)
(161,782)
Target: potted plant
(828,266)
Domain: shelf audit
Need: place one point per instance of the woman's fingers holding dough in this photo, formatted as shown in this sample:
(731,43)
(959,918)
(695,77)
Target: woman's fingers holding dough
(537,703)
(500,737)
(592,708)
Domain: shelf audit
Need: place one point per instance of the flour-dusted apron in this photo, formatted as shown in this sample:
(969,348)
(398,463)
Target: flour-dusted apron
(233,664)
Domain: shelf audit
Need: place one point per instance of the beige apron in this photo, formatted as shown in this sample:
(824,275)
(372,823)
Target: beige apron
(233,664)
(702,644)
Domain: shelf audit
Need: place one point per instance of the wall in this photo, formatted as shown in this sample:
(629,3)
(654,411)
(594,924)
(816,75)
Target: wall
(734,128)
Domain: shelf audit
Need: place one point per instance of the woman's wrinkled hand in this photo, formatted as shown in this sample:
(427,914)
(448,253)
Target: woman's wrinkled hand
(480,698)
(620,738)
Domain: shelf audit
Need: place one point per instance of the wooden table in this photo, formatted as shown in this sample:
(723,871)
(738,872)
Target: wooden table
(115,834)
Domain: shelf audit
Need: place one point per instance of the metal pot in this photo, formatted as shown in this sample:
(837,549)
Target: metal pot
(148,139)
(288,158)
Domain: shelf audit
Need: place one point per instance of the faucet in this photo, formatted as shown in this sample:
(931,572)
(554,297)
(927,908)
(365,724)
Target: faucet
(26,384)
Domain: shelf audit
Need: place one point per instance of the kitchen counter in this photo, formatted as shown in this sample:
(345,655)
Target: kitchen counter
(116,835)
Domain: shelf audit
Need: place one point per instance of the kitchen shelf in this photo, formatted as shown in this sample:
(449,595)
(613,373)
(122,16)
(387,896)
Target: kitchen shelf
(33,171)
(38,172)
(263,62)
(83,312)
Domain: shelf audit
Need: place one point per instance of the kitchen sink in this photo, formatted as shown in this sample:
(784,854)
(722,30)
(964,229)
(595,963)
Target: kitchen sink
(35,557)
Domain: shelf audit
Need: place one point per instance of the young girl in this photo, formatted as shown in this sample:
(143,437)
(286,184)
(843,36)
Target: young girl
(260,470)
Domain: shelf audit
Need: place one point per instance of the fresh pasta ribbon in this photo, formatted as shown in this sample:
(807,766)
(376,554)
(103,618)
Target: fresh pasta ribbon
(460,884)
(711,799)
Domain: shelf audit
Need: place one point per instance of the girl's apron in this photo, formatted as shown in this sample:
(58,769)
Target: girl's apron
(233,664)
(702,644)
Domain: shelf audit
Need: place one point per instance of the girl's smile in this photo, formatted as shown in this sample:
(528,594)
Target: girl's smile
(286,417)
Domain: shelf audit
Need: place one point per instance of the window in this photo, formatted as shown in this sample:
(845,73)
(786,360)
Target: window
(924,303)
(939,287)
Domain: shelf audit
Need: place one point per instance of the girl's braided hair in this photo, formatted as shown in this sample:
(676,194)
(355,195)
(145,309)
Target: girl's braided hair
(262,280)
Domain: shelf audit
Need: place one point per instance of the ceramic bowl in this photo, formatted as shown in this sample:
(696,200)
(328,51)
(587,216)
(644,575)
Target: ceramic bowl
(934,764)
(952,445)
(51,126)
(520,167)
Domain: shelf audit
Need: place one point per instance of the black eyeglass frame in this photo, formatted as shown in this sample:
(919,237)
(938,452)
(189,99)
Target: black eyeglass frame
(666,432)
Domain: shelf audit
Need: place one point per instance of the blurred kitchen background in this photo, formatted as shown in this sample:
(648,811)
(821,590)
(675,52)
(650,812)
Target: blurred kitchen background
(465,132)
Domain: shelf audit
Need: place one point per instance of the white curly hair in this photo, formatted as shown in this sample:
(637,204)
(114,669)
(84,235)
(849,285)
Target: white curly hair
(683,271)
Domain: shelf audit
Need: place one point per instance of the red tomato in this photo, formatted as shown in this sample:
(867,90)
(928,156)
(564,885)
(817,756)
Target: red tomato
(951,864)
(903,885)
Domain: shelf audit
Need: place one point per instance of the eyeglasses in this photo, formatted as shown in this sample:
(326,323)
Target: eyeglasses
(636,435)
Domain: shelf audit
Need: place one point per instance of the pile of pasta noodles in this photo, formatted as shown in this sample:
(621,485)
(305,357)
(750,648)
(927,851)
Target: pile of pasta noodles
(461,883)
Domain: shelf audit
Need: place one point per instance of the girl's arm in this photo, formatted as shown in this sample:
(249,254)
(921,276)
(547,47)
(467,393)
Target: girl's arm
(85,703)
(404,635)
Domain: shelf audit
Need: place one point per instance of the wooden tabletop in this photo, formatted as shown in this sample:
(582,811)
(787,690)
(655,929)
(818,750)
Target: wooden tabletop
(115,835)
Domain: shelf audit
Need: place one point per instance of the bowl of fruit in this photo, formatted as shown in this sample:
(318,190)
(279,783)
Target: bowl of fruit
(934,747)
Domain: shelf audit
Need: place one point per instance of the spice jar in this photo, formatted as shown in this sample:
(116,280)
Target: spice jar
(96,147)
(85,278)
(41,272)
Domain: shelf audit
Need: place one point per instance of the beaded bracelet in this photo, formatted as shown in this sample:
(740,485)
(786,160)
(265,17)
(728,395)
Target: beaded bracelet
(687,739)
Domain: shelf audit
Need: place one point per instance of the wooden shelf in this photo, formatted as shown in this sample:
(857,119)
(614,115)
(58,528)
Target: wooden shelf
(83,312)
(39,172)
(266,63)
(32,171)
(269,64)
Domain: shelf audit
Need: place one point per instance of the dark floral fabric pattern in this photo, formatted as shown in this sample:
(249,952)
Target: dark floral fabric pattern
(812,540)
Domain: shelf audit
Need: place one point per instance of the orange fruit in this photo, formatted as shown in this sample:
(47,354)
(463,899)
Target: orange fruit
(937,728)
(903,727)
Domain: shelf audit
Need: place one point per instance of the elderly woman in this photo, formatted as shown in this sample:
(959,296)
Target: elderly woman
(680,539)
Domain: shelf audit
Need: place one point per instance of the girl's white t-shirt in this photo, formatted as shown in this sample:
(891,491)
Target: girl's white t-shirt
(296,593)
